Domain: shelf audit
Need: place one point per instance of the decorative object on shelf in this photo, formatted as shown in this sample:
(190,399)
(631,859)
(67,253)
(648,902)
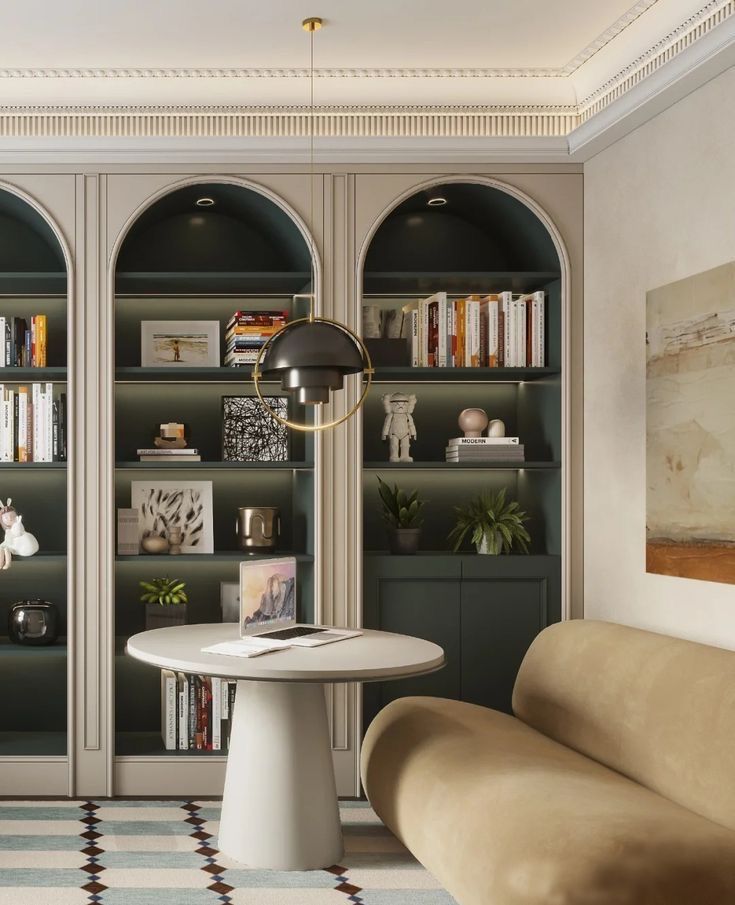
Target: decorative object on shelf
(494,526)
(128,541)
(165,602)
(155,544)
(399,428)
(258,528)
(402,514)
(164,505)
(313,355)
(33,622)
(486,449)
(249,434)
(175,539)
(472,422)
(229,600)
(247,332)
(172,436)
(17,540)
(186,344)
(496,428)
(267,592)
(371,321)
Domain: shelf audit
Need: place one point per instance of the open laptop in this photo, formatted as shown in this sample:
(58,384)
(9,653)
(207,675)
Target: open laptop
(268,606)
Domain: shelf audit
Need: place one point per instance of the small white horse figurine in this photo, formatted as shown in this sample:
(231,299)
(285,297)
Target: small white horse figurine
(17,539)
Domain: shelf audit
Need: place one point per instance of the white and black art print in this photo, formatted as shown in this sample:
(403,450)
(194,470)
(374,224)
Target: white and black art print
(163,505)
(250,433)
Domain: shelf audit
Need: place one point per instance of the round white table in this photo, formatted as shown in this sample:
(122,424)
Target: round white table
(279,808)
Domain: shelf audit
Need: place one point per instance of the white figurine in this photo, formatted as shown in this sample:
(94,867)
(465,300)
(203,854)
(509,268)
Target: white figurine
(398,426)
(496,428)
(17,539)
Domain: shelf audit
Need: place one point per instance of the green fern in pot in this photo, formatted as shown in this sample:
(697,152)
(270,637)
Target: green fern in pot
(402,514)
(493,525)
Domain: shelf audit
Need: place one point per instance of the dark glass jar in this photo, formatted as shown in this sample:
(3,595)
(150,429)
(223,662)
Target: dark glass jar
(33,622)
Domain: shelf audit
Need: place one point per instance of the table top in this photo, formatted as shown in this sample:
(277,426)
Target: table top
(372,656)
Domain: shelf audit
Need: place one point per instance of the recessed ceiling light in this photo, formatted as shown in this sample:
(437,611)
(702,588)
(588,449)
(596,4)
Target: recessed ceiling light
(436,201)
(205,202)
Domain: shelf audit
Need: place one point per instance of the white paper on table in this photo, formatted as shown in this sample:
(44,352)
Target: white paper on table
(246,647)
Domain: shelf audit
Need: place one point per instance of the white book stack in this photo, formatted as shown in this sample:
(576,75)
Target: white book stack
(485,449)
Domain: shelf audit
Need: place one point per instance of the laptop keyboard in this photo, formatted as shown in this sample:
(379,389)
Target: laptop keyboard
(298,631)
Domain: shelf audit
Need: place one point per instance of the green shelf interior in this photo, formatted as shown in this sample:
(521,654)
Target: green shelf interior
(180,262)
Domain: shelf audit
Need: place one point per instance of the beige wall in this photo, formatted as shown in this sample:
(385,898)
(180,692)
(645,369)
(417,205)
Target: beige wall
(659,206)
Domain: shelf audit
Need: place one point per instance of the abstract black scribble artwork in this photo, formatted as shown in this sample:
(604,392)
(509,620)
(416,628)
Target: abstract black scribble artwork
(249,433)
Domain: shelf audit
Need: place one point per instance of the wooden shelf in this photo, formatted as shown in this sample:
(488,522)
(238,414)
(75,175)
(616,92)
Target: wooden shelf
(33,283)
(40,557)
(461,375)
(215,282)
(59,466)
(9,650)
(393,284)
(33,375)
(460,466)
(219,466)
(32,744)
(222,556)
(188,375)
(150,744)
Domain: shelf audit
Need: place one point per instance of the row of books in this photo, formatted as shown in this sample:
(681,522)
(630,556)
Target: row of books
(196,711)
(492,331)
(247,332)
(485,449)
(33,424)
(24,345)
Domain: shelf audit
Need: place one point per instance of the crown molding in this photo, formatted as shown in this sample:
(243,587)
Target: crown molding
(685,54)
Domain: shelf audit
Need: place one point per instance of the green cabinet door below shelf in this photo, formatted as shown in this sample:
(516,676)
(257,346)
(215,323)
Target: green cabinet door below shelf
(416,596)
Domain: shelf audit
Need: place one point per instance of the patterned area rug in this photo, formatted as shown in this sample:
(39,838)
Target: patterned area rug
(164,853)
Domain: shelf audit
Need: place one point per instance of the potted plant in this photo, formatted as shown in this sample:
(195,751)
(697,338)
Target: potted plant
(402,513)
(494,526)
(165,602)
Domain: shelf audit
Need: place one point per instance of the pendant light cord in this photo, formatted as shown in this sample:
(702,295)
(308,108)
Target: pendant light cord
(311,150)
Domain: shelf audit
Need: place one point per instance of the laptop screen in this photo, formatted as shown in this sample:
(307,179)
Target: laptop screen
(267,594)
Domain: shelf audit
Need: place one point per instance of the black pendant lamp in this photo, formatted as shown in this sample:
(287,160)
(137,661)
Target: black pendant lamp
(312,356)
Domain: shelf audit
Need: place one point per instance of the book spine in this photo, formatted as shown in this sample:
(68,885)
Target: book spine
(415,348)
(16,426)
(62,427)
(12,358)
(461,326)
(207,713)
(231,692)
(192,713)
(216,714)
(424,331)
(484,441)
(55,428)
(32,343)
(22,424)
(519,311)
(539,331)
(28,345)
(3,362)
(442,331)
(42,341)
(183,733)
(168,709)
(473,333)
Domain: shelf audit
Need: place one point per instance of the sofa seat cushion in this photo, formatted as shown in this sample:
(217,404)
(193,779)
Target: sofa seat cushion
(503,815)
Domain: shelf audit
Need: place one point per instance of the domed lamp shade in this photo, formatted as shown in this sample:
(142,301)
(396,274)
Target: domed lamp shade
(311,357)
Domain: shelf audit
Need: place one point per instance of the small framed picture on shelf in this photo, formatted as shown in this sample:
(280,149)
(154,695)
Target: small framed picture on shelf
(250,433)
(164,505)
(179,344)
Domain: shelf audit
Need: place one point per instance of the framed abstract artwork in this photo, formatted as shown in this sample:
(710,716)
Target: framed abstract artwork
(250,434)
(163,505)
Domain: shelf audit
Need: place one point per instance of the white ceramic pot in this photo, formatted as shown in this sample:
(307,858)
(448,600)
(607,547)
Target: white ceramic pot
(492,546)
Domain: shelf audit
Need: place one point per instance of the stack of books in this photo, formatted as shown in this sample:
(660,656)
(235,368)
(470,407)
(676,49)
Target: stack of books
(492,331)
(24,346)
(179,456)
(247,332)
(32,424)
(196,711)
(485,449)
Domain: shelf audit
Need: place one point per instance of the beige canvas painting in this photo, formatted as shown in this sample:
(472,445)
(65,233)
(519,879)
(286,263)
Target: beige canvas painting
(690,366)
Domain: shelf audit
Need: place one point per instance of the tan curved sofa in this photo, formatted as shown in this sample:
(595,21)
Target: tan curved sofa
(613,784)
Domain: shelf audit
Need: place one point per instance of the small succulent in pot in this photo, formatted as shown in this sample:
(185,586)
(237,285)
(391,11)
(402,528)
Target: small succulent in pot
(165,602)
(494,526)
(402,514)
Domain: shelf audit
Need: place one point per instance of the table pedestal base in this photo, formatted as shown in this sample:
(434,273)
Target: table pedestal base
(279,808)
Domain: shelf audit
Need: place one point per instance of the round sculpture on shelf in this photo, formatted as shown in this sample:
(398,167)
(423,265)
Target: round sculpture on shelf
(496,428)
(17,540)
(473,422)
(33,622)
(154,544)
(398,427)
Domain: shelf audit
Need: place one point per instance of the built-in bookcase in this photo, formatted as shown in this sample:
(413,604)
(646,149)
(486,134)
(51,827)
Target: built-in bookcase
(33,280)
(183,262)
(483,610)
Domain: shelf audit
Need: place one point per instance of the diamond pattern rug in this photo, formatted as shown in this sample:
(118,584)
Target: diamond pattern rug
(165,853)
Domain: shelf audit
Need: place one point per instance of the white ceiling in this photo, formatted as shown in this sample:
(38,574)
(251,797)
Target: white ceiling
(232,33)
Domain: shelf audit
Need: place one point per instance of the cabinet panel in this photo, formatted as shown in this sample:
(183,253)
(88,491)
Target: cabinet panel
(500,618)
(414,596)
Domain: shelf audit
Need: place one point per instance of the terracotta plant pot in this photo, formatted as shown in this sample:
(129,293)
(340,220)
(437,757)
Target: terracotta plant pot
(404,541)
(157,616)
